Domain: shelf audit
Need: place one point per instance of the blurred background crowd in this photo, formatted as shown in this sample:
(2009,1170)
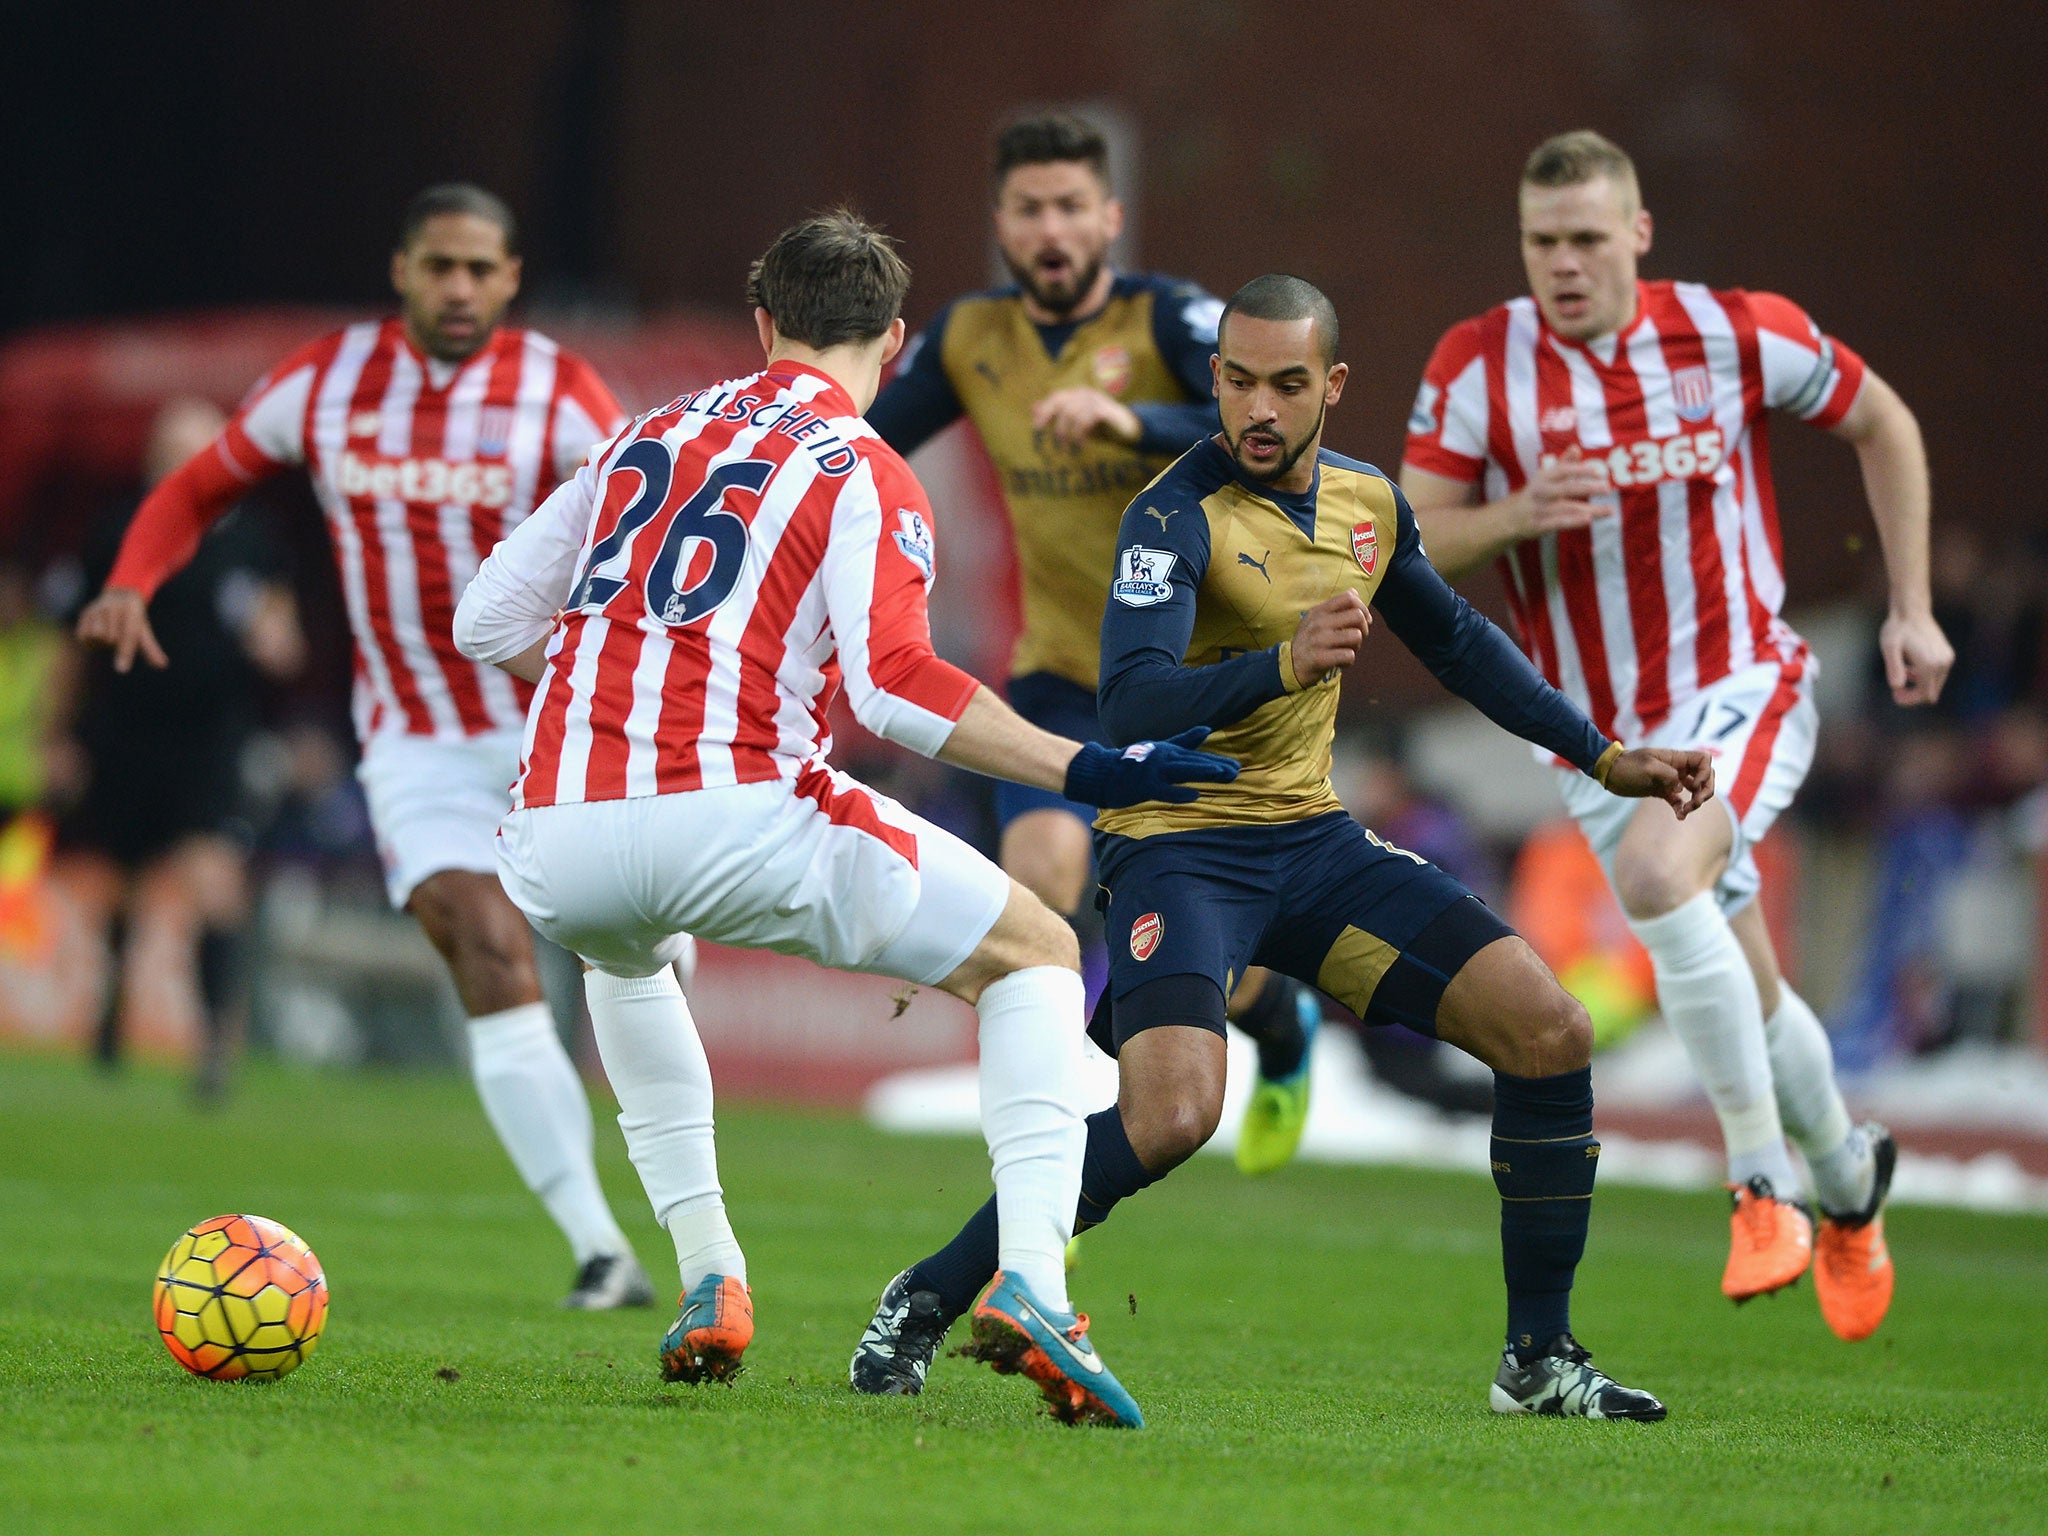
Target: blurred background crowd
(185,857)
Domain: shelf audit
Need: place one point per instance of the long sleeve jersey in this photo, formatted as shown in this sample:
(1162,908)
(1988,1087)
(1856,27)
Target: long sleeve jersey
(1212,576)
(420,467)
(1149,346)
(705,585)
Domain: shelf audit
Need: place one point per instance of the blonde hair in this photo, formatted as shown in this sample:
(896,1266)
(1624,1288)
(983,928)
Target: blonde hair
(1572,159)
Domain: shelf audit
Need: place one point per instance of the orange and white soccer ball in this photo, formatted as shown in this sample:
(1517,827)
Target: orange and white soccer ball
(240,1298)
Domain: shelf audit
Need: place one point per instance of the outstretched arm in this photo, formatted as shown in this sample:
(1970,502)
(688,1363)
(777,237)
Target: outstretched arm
(508,611)
(1470,656)
(265,436)
(876,577)
(1917,655)
(161,539)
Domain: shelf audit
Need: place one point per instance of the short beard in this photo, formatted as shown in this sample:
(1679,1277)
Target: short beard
(1292,458)
(1063,306)
(442,350)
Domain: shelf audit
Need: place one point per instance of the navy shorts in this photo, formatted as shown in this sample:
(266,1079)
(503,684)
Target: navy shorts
(1065,708)
(1379,929)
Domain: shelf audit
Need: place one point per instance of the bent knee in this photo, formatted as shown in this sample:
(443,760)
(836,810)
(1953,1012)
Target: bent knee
(1027,934)
(1649,887)
(482,936)
(1047,939)
(1556,1037)
(1167,1133)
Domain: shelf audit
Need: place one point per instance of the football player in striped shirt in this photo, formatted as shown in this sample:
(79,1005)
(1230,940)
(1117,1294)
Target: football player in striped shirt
(427,437)
(1082,383)
(1605,439)
(689,605)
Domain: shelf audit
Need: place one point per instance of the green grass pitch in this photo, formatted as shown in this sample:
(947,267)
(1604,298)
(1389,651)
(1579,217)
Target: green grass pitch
(1312,1351)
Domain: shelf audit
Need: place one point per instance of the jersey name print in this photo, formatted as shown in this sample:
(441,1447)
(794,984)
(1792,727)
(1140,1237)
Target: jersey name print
(736,555)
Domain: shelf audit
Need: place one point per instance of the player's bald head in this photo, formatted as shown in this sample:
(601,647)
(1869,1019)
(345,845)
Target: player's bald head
(1279,296)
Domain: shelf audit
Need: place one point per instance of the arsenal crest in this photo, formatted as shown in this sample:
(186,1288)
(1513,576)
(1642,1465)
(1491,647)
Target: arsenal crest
(1365,546)
(1112,369)
(1146,933)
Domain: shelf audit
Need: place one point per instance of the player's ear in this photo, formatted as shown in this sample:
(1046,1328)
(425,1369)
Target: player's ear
(514,265)
(892,340)
(1216,375)
(1642,231)
(1113,217)
(1333,385)
(764,327)
(398,272)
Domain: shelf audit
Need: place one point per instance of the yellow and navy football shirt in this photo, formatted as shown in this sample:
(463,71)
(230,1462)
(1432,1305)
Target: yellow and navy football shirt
(1213,573)
(1149,346)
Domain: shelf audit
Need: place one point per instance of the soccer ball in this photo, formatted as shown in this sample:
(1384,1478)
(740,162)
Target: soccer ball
(240,1298)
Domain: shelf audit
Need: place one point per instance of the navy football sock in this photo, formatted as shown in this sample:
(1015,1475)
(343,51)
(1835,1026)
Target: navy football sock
(1273,1022)
(1110,1170)
(959,1270)
(1544,1159)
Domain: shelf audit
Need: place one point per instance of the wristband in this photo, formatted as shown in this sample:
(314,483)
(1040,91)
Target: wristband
(1604,764)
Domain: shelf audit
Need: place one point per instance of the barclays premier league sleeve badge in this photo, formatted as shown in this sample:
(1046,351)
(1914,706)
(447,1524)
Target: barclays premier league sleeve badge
(914,538)
(1142,577)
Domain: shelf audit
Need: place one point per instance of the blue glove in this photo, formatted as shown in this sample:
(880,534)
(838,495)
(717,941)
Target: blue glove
(1146,770)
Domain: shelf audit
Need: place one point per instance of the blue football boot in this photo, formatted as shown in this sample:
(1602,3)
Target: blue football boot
(710,1333)
(1013,1333)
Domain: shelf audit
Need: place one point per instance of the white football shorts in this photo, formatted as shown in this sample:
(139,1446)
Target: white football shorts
(436,805)
(1760,725)
(822,867)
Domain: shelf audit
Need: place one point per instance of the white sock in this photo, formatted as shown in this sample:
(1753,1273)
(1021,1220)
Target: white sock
(656,1065)
(1803,1067)
(1708,996)
(536,1104)
(1031,1115)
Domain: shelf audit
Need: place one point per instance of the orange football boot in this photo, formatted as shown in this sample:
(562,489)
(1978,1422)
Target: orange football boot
(711,1332)
(1770,1242)
(1852,1268)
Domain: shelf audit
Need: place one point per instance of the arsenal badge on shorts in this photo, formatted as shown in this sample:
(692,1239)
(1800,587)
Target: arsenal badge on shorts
(1146,933)
(1365,545)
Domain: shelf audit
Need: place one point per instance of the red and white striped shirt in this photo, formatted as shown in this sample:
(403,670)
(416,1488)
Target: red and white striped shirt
(705,583)
(421,466)
(1634,615)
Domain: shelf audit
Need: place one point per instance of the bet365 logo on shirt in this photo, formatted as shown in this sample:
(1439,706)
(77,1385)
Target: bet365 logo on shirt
(423,480)
(1686,456)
